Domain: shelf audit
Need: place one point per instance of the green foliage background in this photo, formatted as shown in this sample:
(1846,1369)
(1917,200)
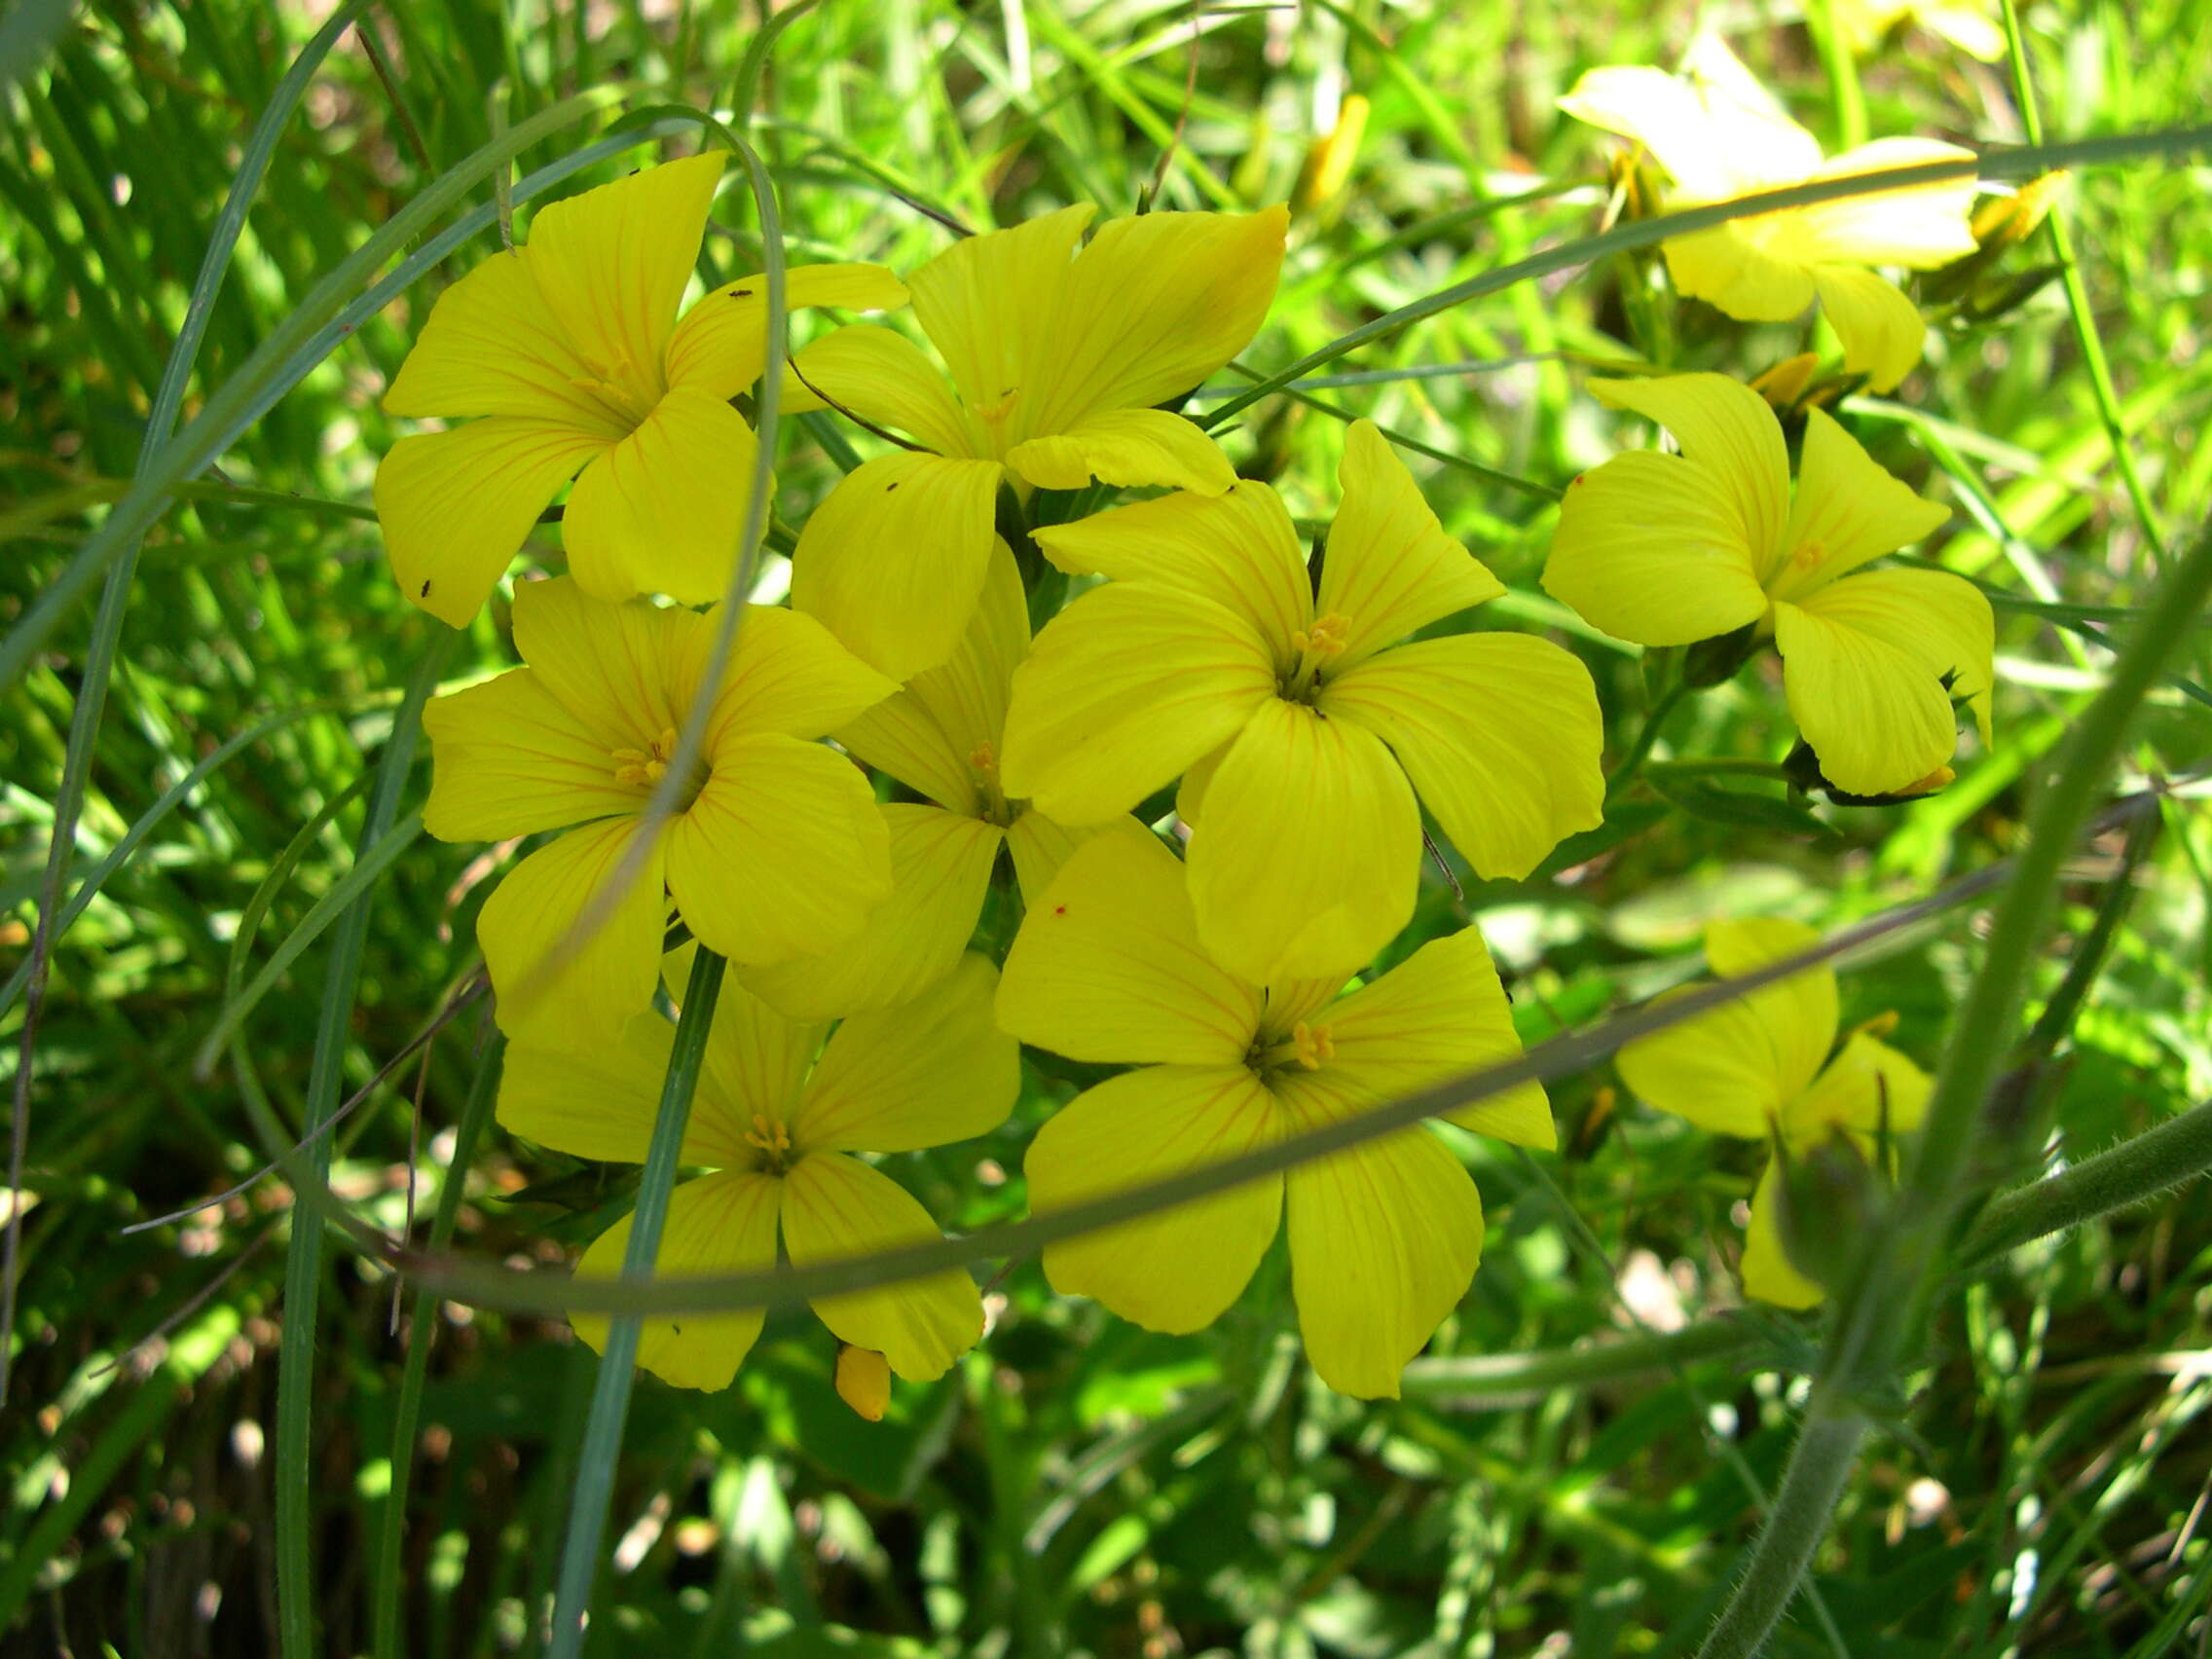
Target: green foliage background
(1077,1485)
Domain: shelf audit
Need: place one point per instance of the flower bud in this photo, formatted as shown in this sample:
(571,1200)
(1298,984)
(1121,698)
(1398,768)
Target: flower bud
(1826,1198)
(864,1380)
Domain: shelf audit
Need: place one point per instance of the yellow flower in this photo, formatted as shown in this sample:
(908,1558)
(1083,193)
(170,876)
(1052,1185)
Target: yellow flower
(1863,24)
(778,849)
(1667,549)
(1384,1238)
(778,1127)
(1305,732)
(1719,135)
(1057,357)
(941,737)
(1754,1068)
(570,351)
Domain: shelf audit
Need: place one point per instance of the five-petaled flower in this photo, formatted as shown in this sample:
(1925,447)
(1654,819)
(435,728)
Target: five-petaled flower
(777,1120)
(1669,549)
(1057,357)
(1384,1237)
(570,351)
(775,848)
(941,737)
(1720,135)
(1755,1067)
(1305,730)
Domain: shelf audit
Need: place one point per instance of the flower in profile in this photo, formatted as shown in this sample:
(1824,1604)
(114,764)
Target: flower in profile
(1384,1237)
(1760,1067)
(1719,135)
(1057,359)
(569,353)
(776,1122)
(1305,730)
(941,737)
(775,848)
(1669,549)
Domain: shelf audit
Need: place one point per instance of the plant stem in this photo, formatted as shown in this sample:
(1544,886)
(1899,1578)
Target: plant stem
(1511,1377)
(1641,749)
(1819,1464)
(2133,1172)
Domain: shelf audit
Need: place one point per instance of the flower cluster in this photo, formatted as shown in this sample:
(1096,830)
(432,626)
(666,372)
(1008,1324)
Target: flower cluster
(1186,815)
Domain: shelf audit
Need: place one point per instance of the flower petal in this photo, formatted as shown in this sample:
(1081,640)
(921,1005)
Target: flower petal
(1868,1090)
(1738,274)
(720,1224)
(612,263)
(1718,135)
(1768,1275)
(599,1100)
(1126,448)
(787,674)
(1384,1242)
(620,670)
(1239,550)
(508,759)
(721,345)
(757,1064)
(940,868)
(1500,734)
(1440,1013)
(455,506)
(600,980)
(1176,1270)
(1652,549)
(1848,510)
(1122,691)
(784,852)
(930,1072)
(893,561)
(1154,305)
(837,1207)
(1310,852)
(884,378)
(1863,662)
(1108,967)
(1882,331)
(986,302)
(1388,566)
(663,510)
(1921,228)
(1040,848)
(490,346)
(1725,426)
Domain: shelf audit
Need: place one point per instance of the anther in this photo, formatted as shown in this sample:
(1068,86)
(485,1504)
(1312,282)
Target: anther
(1311,1046)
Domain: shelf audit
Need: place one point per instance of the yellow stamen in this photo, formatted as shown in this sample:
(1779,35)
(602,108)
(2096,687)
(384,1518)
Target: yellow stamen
(1325,638)
(1808,555)
(983,757)
(642,768)
(1312,1044)
(769,1135)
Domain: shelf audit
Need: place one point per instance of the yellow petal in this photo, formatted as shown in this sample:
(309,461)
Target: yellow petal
(1500,734)
(1040,848)
(783,853)
(663,510)
(1869,1089)
(1108,967)
(1732,269)
(883,377)
(1126,448)
(941,735)
(1308,858)
(1921,227)
(1733,1069)
(1714,139)
(1389,568)
(612,263)
(1726,427)
(940,868)
(600,1099)
(1848,510)
(987,303)
(1123,690)
(837,1207)
(1768,1275)
(757,1065)
(1154,305)
(619,669)
(1176,1270)
(492,348)
(721,345)
(1384,1242)
(787,674)
(1862,666)
(455,506)
(1240,551)
(1881,330)
(930,1072)
(1440,1013)
(721,1224)
(507,759)
(893,561)
(596,984)
(1651,548)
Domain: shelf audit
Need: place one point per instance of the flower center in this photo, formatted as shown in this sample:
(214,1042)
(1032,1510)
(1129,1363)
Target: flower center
(626,395)
(642,768)
(984,767)
(1308,1048)
(1316,647)
(772,1138)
